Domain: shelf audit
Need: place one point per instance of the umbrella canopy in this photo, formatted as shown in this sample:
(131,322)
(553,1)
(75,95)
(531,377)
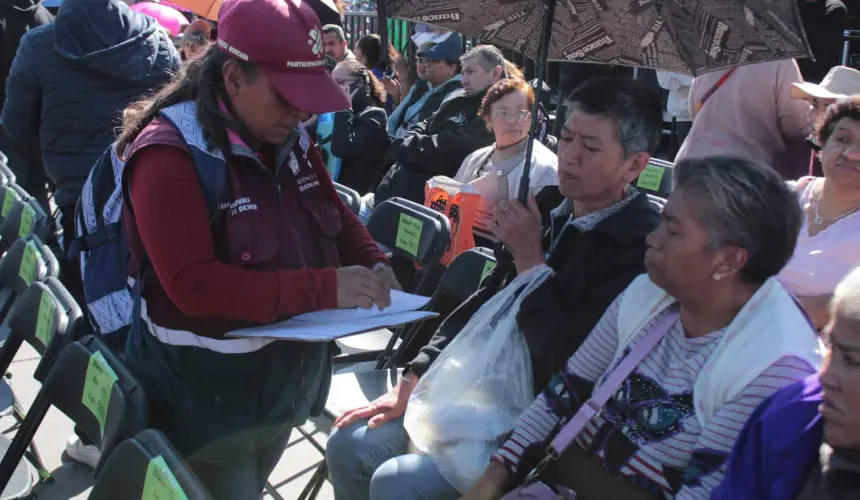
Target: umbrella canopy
(683,36)
(168,17)
(325,9)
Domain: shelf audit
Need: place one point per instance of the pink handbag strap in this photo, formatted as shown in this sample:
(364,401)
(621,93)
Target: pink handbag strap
(601,394)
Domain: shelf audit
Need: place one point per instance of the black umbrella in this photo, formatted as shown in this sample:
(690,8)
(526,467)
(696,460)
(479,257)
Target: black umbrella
(684,36)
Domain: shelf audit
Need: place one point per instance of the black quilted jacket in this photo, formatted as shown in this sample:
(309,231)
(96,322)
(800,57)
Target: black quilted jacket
(71,79)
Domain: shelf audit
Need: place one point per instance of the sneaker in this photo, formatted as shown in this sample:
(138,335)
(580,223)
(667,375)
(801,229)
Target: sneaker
(80,452)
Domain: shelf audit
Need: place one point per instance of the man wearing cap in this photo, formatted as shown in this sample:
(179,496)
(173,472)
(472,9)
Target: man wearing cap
(440,64)
(840,81)
(273,242)
(438,145)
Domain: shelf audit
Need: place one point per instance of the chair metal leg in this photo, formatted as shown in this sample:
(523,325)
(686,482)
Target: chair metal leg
(32,453)
(317,480)
(21,442)
(273,492)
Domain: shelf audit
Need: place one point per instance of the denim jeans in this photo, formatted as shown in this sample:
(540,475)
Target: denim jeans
(375,464)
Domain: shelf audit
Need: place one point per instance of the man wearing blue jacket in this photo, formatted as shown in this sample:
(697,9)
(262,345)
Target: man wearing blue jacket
(69,82)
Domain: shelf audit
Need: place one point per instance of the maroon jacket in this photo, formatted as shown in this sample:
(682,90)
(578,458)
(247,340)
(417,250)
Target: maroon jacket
(269,252)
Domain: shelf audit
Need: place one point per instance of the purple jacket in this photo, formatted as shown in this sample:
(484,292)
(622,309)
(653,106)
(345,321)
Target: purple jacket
(777,447)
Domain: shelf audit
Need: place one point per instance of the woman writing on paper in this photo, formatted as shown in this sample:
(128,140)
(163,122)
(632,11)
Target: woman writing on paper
(279,244)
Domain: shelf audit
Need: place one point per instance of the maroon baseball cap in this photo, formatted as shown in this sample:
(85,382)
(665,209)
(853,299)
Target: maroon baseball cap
(283,38)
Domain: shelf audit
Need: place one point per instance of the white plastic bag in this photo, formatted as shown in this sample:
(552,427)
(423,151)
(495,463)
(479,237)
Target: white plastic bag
(473,394)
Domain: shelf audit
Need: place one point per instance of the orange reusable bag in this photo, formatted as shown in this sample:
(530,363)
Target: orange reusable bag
(459,202)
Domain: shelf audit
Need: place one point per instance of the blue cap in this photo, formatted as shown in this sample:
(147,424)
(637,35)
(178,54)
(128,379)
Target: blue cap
(449,49)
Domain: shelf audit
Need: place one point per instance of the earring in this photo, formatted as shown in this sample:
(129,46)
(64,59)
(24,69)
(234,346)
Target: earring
(717,276)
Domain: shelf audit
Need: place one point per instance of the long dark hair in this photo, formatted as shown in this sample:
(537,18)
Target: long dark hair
(201,80)
(371,47)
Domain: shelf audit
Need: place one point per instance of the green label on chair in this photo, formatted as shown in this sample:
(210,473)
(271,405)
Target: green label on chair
(488,268)
(8,202)
(651,178)
(29,261)
(45,321)
(27,217)
(409,234)
(97,387)
(160,483)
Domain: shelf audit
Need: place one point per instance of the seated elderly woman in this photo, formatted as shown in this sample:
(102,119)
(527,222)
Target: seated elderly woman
(734,337)
(829,243)
(804,441)
(495,171)
(593,240)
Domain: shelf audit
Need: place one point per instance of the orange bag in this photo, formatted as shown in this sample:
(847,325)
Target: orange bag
(460,204)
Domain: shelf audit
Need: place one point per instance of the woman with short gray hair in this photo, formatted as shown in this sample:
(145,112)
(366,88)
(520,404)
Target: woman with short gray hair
(728,336)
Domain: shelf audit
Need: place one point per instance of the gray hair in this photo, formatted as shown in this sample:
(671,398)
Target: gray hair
(746,204)
(636,110)
(846,297)
(328,29)
(489,57)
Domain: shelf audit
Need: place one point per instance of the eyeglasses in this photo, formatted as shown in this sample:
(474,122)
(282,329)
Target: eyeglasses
(516,116)
(427,62)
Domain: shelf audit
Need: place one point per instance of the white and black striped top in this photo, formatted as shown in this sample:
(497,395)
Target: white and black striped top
(649,432)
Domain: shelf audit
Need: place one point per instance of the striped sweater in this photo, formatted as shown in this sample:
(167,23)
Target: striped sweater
(648,433)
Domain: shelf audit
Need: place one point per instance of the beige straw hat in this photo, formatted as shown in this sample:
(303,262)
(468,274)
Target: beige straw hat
(841,81)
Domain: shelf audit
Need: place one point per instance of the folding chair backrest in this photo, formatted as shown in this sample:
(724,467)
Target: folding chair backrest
(22,265)
(656,179)
(91,386)
(25,217)
(48,255)
(8,196)
(147,466)
(350,197)
(38,317)
(76,327)
(410,230)
(465,274)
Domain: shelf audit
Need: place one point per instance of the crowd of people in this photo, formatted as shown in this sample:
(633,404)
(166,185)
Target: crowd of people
(744,280)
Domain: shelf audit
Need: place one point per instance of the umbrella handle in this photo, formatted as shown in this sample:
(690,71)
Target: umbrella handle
(523,193)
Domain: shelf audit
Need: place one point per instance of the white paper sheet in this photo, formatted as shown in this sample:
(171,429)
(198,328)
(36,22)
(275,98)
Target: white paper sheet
(331,324)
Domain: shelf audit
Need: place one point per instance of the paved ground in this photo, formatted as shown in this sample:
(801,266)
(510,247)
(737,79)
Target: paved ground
(73,481)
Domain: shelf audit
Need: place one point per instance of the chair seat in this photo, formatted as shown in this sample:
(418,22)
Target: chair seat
(7,399)
(23,479)
(351,390)
(373,341)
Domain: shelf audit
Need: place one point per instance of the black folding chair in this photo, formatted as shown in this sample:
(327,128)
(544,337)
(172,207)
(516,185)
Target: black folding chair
(90,385)
(420,236)
(415,233)
(46,317)
(656,179)
(26,217)
(350,197)
(26,261)
(148,463)
(9,195)
(352,390)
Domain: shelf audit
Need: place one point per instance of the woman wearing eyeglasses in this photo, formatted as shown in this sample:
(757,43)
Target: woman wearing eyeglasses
(495,170)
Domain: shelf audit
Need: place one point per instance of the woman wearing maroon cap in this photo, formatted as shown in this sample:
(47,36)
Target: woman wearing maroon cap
(279,243)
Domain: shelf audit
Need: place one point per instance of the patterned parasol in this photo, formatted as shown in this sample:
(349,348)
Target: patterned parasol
(683,36)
